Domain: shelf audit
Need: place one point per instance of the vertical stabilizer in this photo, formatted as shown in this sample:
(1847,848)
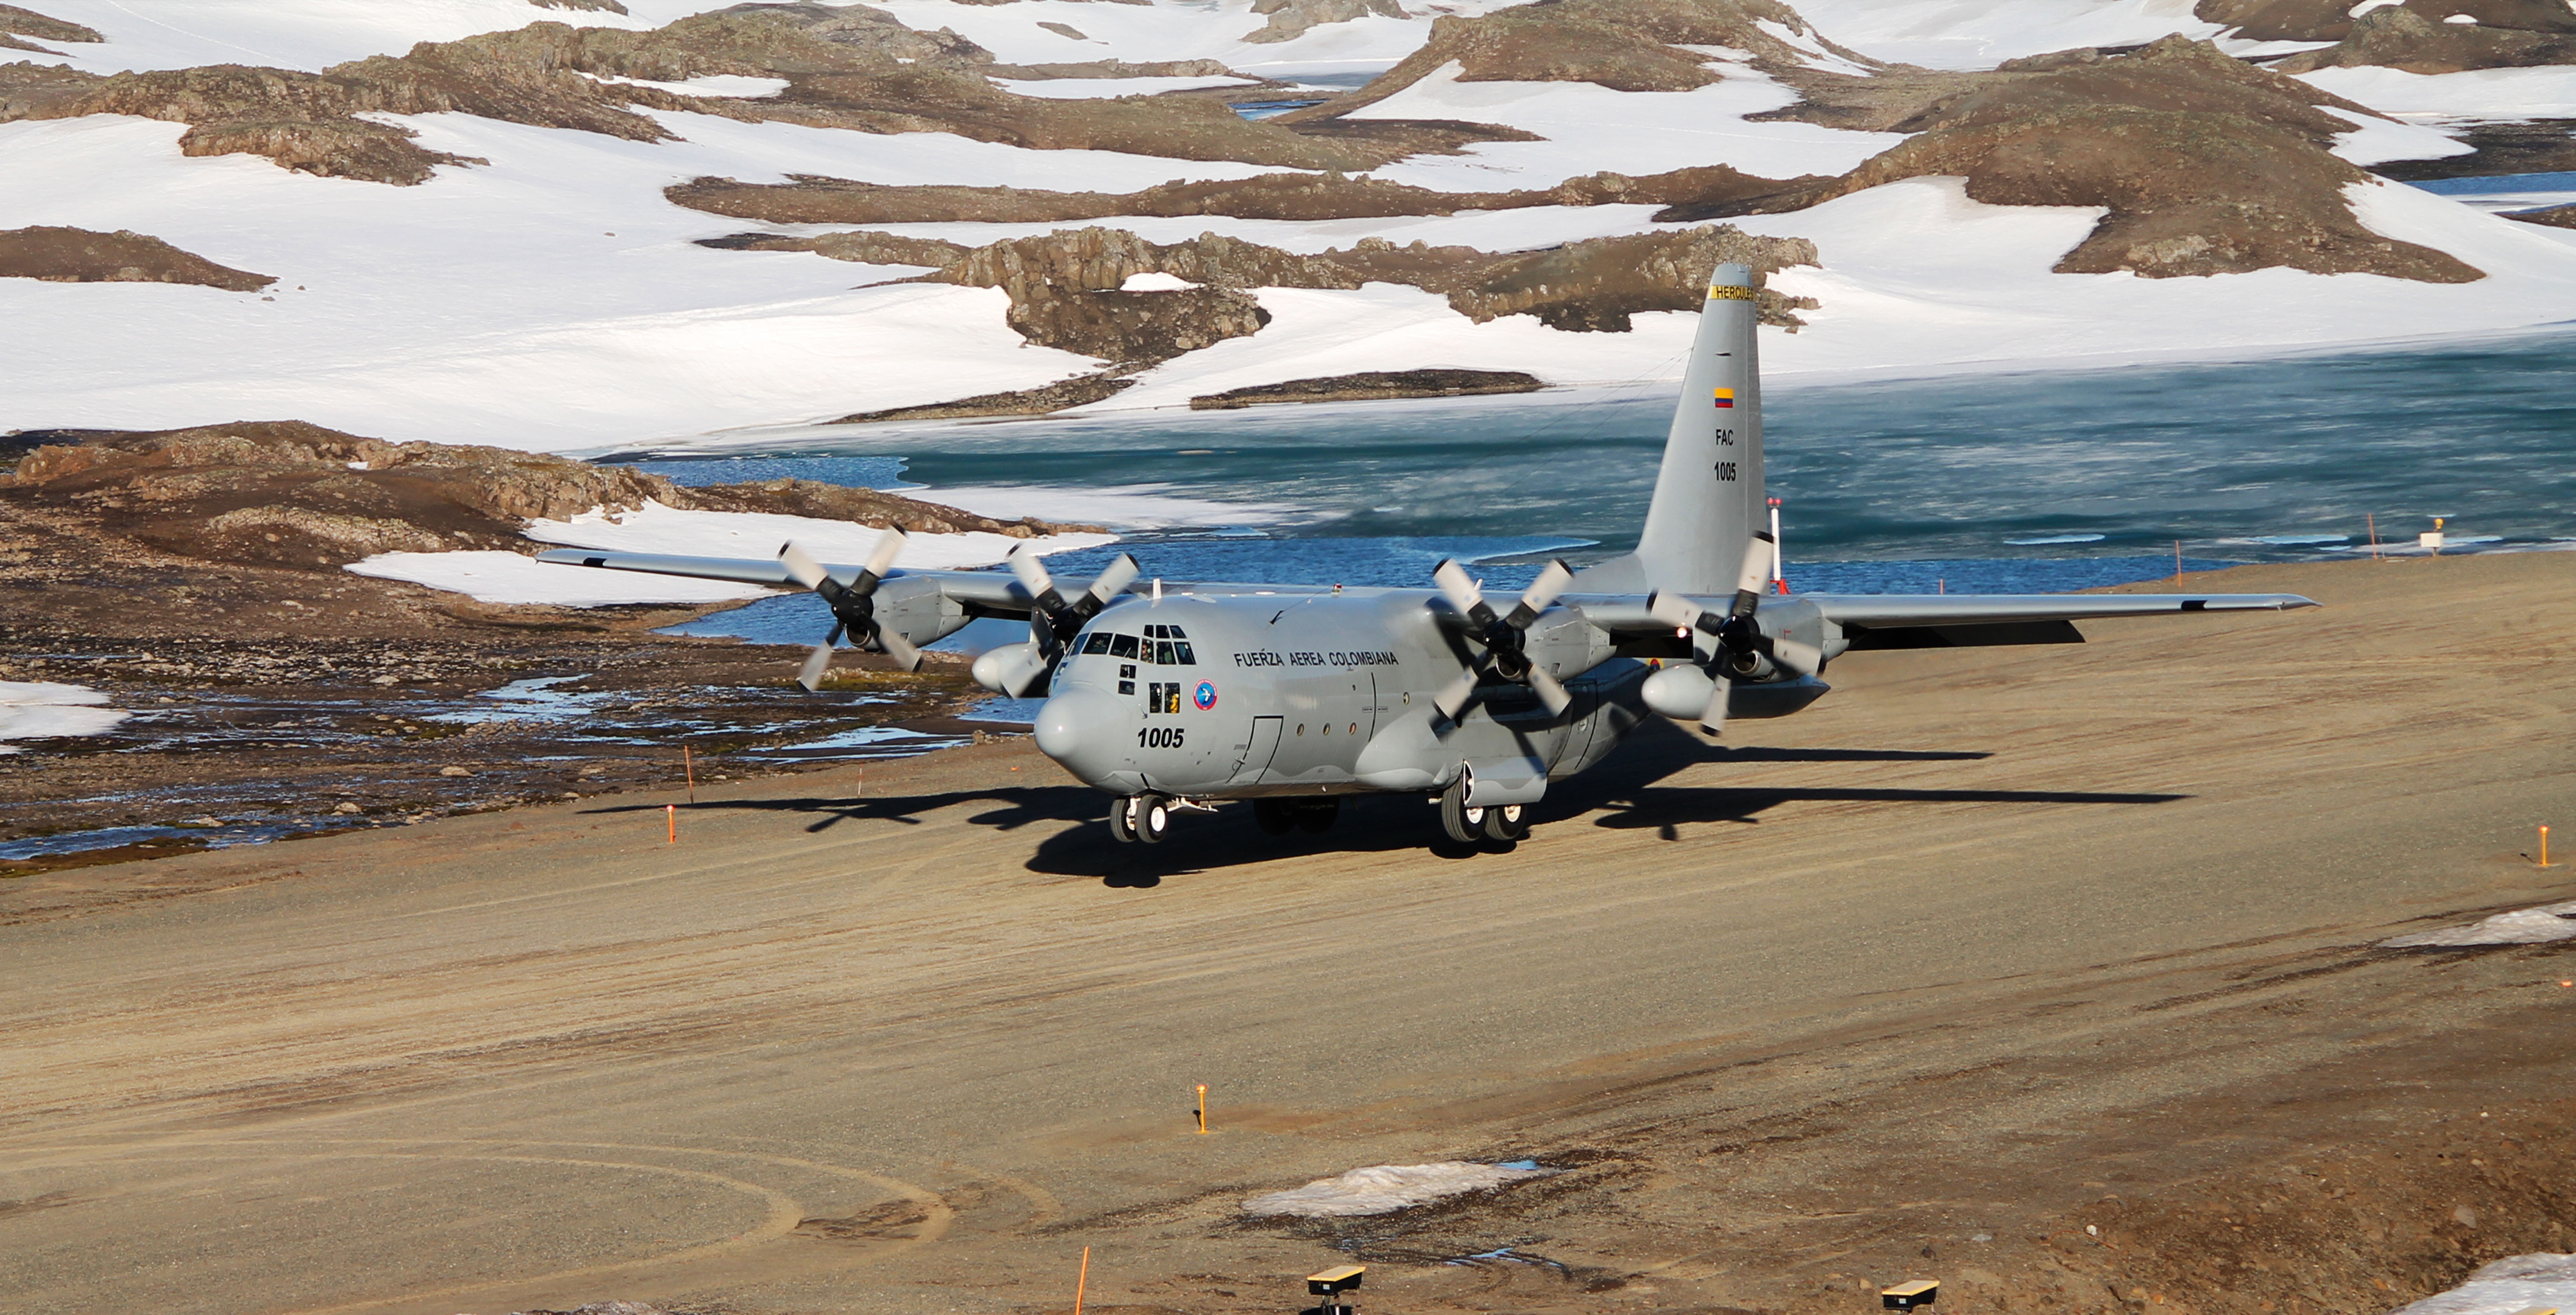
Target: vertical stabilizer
(1708,496)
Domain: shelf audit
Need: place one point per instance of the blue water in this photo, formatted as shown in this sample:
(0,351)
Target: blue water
(1989,483)
(2491,183)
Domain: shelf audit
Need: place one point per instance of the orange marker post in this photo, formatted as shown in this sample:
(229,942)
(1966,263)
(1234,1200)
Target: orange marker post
(1080,1279)
(2544,848)
(690,766)
(1202,1109)
(671,814)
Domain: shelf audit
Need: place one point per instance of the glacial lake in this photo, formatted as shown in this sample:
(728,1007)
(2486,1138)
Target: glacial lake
(1979,483)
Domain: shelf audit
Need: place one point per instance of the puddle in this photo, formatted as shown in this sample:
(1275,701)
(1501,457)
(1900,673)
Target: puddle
(1510,1256)
(192,837)
(534,699)
(893,741)
(1011,712)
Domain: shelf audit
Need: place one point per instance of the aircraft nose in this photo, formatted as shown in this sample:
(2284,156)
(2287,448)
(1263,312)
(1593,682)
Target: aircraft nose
(1081,729)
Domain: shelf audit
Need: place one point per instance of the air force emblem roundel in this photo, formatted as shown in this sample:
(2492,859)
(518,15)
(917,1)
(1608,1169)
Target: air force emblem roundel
(1205,697)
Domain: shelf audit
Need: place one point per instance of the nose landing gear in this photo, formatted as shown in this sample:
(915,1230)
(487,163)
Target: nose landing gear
(1146,817)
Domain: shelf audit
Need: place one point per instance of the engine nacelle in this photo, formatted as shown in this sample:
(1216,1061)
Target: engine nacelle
(1679,692)
(1012,669)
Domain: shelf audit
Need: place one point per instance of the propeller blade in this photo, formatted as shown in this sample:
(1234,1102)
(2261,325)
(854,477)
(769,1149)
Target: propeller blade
(816,663)
(833,640)
(1542,591)
(1461,591)
(1113,580)
(1757,566)
(889,546)
(1805,659)
(1032,575)
(899,648)
(1452,699)
(1673,610)
(1551,691)
(1712,718)
(801,566)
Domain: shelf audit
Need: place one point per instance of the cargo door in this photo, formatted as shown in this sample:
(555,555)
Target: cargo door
(1257,751)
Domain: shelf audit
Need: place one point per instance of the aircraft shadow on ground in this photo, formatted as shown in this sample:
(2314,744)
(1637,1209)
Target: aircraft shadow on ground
(1623,794)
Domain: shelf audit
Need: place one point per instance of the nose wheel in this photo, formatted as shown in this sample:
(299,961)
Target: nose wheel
(1146,817)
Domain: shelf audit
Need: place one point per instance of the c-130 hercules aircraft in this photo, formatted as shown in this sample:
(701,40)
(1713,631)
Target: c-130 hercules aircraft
(1175,696)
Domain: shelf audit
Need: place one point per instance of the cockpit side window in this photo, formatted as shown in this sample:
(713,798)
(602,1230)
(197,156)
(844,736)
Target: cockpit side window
(1096,642)
(1122,646)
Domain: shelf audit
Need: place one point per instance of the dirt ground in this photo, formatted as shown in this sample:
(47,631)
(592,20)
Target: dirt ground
(2048,972)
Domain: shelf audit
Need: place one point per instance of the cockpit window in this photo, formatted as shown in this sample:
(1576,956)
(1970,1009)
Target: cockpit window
(1163,653)
(1096,642)
(1122,646)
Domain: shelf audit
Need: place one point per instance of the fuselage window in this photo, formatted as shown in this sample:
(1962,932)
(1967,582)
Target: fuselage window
(1181,651)
(1163,653)
(1096,642)
(1122,646)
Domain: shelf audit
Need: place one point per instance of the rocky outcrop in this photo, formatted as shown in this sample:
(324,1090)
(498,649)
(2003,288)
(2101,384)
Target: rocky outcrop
(849,67)
(2555,216)
(20,29)
(1625,45)
(1068,281)
(2332,20)
(288,493)
(78,255)
(1298,196)
(1372,386)
(2401,37)
(2205,164)
(1291,19)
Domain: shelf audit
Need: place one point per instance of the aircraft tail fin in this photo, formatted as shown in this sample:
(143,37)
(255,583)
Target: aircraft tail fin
(1708,496)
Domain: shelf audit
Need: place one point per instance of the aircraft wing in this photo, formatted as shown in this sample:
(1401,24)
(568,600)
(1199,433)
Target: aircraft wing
(1882,611)
(980,593)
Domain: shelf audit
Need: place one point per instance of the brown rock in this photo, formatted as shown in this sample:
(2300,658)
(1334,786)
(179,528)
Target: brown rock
(2402,37)
(77,255)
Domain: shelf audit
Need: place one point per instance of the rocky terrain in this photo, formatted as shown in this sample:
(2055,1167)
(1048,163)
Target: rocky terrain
(850,67)
(1068,290)
(195,576)
(77,255)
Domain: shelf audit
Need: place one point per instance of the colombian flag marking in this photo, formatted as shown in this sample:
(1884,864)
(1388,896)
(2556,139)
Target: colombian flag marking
(1725,399)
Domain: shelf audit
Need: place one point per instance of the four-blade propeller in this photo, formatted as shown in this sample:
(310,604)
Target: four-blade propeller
(1017,669)
(1734,644)
(854,606)
(1503,636)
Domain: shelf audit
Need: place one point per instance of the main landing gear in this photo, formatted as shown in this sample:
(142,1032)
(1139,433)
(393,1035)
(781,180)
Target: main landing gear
(1497,824)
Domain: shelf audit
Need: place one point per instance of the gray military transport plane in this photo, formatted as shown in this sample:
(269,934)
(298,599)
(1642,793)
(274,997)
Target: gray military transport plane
(1171,696)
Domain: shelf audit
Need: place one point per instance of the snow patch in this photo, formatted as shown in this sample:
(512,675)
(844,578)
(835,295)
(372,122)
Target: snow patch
(655,528)
(2376,141)
(1129,507)
(734,85)
(1382,1188)
(2550,922)
(2487,93)
(1156,282)
(46,710)
(2504,1286)
(497,576)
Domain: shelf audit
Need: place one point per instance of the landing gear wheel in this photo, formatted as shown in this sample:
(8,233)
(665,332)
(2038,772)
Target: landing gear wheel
(1273,816)
(1504,823)
(1153,819)
(1464,824)
(1122,820)
(1317,818)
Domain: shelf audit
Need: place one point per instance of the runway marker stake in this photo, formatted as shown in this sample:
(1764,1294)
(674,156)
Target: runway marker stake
(671,814)
(690,766)
(2371,519)
(2544,848)
(1081,1279)
(2177,561)
(1202,1109)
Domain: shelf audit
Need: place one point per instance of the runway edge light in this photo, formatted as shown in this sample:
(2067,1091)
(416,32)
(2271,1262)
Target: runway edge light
(1910,1294)
(1335,1287)
(1335,1282)
(2537,1310)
